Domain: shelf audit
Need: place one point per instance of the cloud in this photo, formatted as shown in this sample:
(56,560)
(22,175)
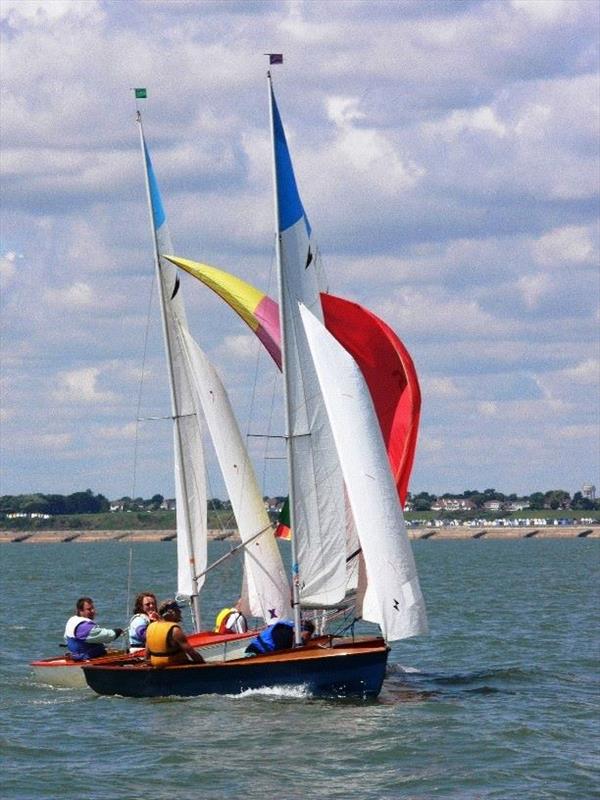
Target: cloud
(78,295)
(572,245)
(54,441)
(39,12)
(8,266)
(80,386)
(586,372)
(451,184)
(128,431)
(534,288)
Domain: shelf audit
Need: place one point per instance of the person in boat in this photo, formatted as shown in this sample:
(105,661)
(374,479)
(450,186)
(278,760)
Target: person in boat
(279,636)
(166,643)
(231,620)
(144,612)
(84,638)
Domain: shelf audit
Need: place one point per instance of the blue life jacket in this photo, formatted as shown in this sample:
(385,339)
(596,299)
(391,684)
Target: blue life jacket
(82,651)
(279,636)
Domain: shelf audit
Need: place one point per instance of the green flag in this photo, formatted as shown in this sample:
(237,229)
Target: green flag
(140,94)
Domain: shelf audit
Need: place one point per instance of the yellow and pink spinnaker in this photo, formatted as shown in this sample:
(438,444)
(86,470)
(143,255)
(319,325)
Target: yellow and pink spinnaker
(384,361)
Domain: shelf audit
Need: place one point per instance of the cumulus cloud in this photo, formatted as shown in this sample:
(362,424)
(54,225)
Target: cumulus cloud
(572,244)
(451,184)
(80,386)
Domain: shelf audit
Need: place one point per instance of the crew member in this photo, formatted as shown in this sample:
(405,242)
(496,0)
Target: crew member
(166,643)
(84,638)
(144,612)
(231,620)
(279,636)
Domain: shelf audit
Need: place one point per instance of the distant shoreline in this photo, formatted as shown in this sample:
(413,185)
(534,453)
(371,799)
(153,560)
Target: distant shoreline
(441,534)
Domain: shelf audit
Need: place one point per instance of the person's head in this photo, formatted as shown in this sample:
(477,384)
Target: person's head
(145,603)
(170,611)
(85,608)
(307,631)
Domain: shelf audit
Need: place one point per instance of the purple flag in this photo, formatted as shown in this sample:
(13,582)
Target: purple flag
(275,58)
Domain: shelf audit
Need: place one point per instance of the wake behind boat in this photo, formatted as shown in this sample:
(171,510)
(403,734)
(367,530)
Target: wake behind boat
(349,543)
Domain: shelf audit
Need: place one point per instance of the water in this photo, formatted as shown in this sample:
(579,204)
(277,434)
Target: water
(499,702)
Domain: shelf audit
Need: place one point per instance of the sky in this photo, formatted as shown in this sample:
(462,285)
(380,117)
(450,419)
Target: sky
(446,154)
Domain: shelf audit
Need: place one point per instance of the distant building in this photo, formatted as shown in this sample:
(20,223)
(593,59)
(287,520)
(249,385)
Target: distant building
(452,504)
(168,504)
(589,491)
(517,505)
(493,505)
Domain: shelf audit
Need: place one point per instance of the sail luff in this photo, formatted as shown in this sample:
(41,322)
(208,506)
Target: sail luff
(188,456)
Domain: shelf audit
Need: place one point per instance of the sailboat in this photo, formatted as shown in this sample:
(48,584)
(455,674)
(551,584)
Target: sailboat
(343,495)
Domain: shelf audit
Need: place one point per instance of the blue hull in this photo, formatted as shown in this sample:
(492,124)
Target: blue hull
(330,672)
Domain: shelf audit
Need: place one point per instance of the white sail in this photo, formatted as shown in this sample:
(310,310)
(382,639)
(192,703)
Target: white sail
(393,597)
(190,480)
(316,484)
(268,587)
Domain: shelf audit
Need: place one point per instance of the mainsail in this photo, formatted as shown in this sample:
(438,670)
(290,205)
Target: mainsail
(316,487)
(393,597)
(190,480)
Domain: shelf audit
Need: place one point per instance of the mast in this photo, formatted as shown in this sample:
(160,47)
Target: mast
(175,410)
(286,390)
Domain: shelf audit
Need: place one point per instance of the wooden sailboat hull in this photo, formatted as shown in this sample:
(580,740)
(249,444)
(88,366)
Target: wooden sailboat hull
(352,669)
(64,673)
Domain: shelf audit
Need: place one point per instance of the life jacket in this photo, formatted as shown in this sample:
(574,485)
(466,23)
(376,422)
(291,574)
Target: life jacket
(160,646)
(271,638)
(137,631)
(230,620)
(76,630)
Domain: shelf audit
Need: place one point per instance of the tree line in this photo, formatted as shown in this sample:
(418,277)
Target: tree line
(89,503)
(537,501)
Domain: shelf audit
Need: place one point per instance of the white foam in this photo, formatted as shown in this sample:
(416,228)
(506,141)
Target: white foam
(300,692)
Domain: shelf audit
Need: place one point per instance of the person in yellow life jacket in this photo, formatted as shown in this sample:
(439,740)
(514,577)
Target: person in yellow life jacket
(231,620)
(166,643)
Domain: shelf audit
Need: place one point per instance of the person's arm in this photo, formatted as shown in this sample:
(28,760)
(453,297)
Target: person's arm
(180,639)
(94,634)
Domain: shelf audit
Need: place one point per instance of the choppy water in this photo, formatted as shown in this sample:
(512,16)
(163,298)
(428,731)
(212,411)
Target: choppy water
(500,701)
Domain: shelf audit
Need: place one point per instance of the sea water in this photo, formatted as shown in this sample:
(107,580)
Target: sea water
(499,701)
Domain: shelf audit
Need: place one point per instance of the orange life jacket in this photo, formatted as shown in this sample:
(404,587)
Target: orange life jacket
(160,645)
